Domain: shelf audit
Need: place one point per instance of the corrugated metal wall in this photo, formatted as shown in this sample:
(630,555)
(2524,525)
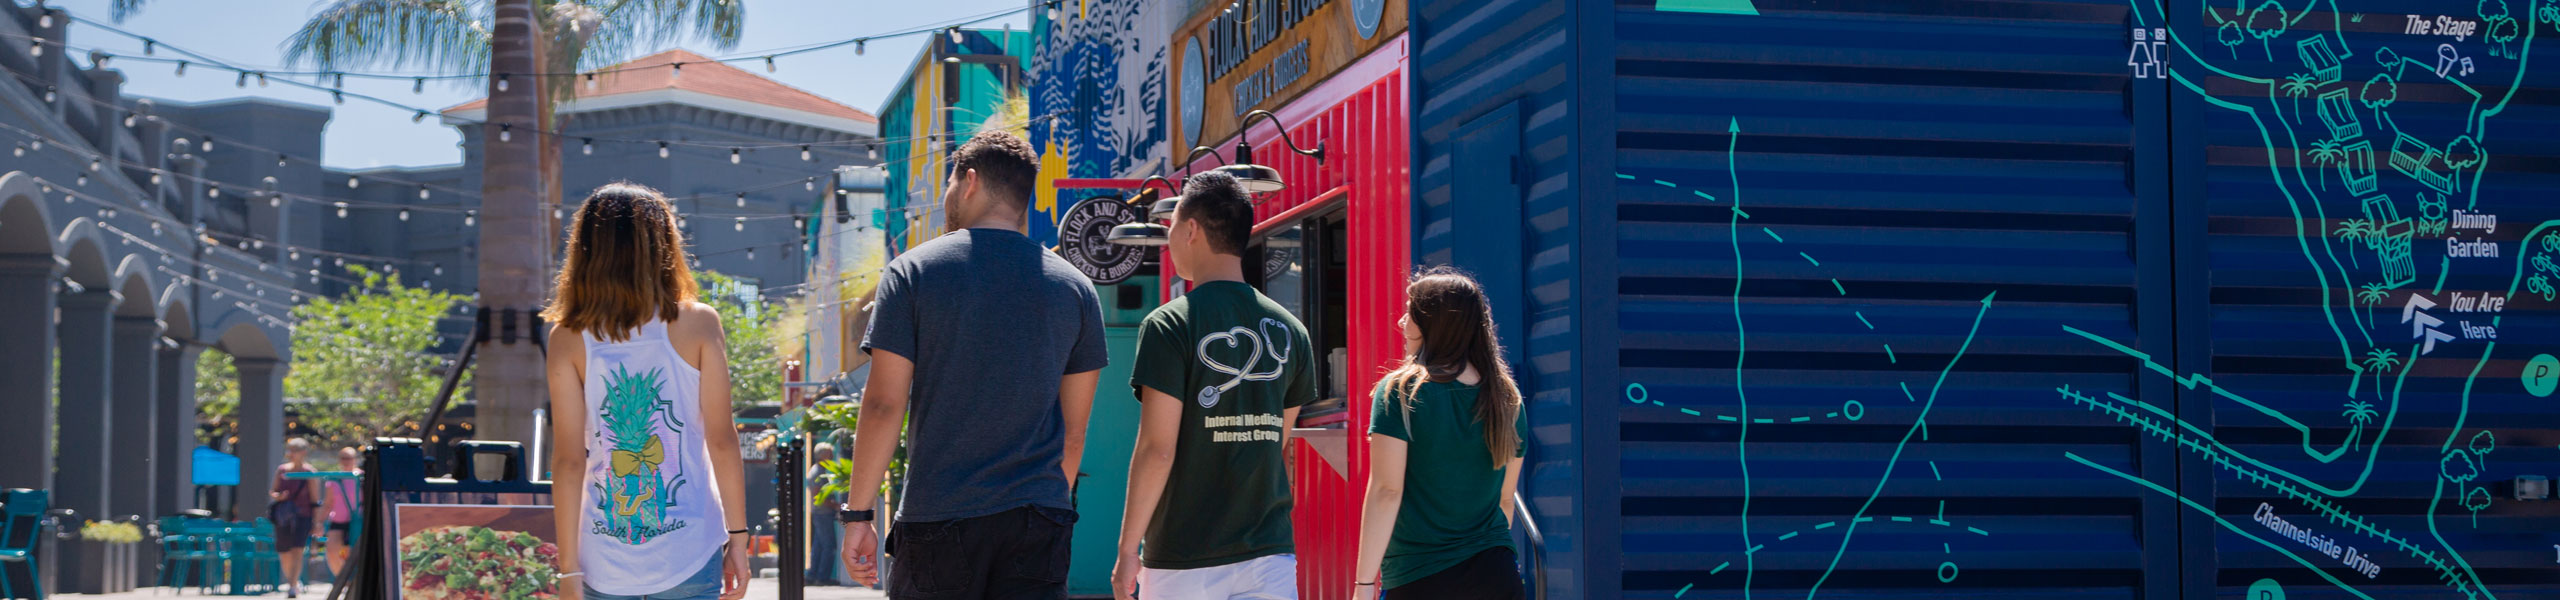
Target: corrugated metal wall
(1932,298)
(1846,236)
(1510,59)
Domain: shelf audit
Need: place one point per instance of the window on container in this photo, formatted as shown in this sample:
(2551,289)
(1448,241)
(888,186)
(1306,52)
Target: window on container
(1302,268)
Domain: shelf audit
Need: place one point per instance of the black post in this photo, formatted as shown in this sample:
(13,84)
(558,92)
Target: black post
(792,542)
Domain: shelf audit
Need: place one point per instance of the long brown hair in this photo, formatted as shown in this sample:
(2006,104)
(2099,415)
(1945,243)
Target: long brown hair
(1458,332)
(625,264)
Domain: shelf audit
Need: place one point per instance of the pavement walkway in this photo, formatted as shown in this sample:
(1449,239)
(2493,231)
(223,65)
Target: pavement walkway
(762,589)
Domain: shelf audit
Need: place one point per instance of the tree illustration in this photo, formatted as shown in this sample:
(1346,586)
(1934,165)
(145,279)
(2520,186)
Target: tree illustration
(2380,361)
(2493,9)
(2477,500)
(2231,37)
(2324,153)
(2360,413)
(2550,13)
(2354,231)
(2297,86)
(2458,467)
(2372,294)
(2268,22)
(2388,57)
(2502,30)
(2483,443)
(2380,91)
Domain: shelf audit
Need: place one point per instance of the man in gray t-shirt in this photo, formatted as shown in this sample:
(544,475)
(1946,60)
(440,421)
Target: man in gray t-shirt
(988,347)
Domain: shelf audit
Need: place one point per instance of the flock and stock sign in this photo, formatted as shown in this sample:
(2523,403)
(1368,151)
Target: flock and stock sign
(1236,57)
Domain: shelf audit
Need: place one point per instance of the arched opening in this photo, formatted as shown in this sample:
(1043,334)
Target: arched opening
(29,271)
(84,324)
(258,425)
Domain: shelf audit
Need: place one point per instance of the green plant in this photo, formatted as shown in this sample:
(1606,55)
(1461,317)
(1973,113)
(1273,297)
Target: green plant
(112,532)
(825,421)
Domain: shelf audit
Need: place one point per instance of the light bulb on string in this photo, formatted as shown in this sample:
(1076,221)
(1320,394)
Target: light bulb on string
(804,152)
(733,156)
(45,21)
(262,79)
(502,82)
(19,150)
(351,182)
(155,177)
(338,80)
(404,215)
(677,72)
(37,48)
(342,209)
(182,68)
(82,180)
(506,132)
(955,34)
(212,191)
(96,163)
(857,47)
(275,200)
(799,222)
(591,82)
(871,151)
(37,145)
(768,63)
(662,149)
(810,185)
(421,117)
(338,97)
(556,214)
(338,262)
(470,217)
(280,160)
(751,254)
(742,200)
(587,146)
(48,94)
(129,120)
(151,47)
(418,87)
(422,192)
(206,146)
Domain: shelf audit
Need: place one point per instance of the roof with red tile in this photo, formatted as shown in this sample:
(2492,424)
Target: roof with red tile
(701,75)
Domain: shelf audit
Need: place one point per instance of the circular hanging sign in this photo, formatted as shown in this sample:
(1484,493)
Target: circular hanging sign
(1084,239)
(1195,92)
(1367,14)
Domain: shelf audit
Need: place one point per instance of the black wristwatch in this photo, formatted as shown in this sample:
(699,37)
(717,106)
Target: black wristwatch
(853,516)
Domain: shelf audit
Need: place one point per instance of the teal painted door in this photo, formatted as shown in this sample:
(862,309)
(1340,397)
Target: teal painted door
(1110,436)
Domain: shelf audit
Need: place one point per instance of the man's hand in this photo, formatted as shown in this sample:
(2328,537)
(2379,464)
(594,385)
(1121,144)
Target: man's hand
(862,553)
(734,572)
(1124,576)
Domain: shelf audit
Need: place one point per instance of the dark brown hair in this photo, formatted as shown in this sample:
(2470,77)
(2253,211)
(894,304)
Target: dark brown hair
(1004,163)
(1458,332)
(625,264)
(1216,203)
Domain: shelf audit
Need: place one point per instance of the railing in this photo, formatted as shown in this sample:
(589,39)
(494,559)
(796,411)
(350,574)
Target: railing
(1535,556)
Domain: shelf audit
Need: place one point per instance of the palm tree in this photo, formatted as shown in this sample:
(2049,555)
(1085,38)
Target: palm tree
(2360,413)
(2297,86)
(2379,361)
(2353,231)
(2372,294)
(517,178)
(2324,153)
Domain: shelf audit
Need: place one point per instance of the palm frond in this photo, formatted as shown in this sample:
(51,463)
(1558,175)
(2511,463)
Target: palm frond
(122,9)
(626,27)
(450,36)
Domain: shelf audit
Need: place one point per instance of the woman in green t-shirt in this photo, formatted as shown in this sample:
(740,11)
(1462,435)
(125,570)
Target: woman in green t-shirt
(1444,454)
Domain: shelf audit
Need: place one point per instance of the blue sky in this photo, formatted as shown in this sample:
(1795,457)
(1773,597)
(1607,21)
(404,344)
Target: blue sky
(364,135)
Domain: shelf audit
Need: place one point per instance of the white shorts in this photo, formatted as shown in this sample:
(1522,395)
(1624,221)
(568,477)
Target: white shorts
(1272,577)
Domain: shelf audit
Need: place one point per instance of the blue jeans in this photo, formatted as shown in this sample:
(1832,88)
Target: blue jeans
(703,585)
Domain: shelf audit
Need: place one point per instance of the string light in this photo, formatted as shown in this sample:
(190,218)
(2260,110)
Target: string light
(768,63)
(810,185)
(804,152)
(741,225)
(37,48)
(421,117)
(352,182)
(733,156)
(857,47)
(82,180)
(662,149)
(420,87)
(955,34)
(506,132)
(502,82)
(95,164)
(587,146)
(280,160)
(422,192)
(48,94)
(591,82)
(404,215)
(207,146)
(342,209)
(871,151)
(677,72)
(182,67)
(45,21)
(751,254)
(150,46)
(242,81)
(742,200)
(212,191)
(470,217)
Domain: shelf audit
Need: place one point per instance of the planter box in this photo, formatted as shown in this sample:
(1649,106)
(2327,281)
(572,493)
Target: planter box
(103,568)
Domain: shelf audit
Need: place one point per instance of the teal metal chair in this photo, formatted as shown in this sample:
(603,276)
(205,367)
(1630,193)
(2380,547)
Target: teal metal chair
(21,525)
(266,568)
(187,548)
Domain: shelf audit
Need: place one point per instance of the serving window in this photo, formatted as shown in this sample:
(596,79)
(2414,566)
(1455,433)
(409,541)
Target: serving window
(1303,267)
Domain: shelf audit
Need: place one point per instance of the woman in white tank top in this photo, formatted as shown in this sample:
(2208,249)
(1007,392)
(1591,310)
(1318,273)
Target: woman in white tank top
(647,486)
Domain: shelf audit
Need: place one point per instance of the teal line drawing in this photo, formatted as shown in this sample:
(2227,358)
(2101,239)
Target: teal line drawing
(1896,458)
(1809,258)
(2217,518)
(2332,455)
(1742,344)
(1933,471)
(1906,392)
(1773,235)
(1684,590)
(1888,355)
(2203,443)
(1862,320)
(1835,284)
(1728,7)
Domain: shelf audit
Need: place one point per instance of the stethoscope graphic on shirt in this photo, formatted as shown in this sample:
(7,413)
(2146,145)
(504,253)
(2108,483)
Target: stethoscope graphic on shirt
(1272,330)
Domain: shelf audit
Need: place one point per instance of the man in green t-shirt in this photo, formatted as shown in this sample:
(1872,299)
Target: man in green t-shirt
(1221,372)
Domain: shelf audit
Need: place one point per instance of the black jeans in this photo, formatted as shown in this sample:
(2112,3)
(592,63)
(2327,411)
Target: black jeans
(1019,554)
(1489,575)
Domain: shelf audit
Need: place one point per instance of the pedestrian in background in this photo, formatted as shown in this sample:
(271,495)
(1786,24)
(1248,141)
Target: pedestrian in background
(339,501)
(1445,442)
(290,504)
(646,469)
(1220,374)
(996,344)
(823,560)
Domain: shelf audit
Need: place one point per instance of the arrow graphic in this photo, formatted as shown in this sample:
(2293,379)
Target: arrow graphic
(1918,424)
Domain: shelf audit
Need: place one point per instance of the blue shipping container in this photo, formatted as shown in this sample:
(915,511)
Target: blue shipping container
(2014,298)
